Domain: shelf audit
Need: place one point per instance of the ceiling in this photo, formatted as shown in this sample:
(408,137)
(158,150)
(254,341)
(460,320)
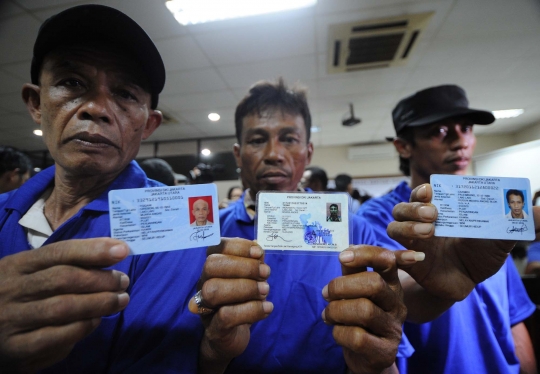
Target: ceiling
(489,47)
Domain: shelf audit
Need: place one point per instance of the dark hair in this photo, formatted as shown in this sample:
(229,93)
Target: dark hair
(231,190)
(318,174)
(331,205)
(11,159)
(516,193)
(158,169)
(342,182)
(407,134)
(268,96)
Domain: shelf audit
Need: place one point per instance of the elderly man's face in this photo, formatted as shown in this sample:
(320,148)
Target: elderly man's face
(92,109)
(200,211)
(274,152)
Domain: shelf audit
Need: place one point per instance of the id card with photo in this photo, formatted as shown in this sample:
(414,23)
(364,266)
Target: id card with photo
(162,219)
(483,207)
(295,221)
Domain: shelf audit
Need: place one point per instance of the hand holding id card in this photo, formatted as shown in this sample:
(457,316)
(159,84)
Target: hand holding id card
(303,221)
(162,219)
(483,207)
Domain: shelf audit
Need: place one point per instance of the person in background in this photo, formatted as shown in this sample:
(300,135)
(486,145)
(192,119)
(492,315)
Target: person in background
(159,170)
(314,178)
(15,168)
(344,184)
(234,193)
(484,333)
(533,259)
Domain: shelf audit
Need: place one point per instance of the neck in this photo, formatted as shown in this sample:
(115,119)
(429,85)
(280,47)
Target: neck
(71,193)
(417,179)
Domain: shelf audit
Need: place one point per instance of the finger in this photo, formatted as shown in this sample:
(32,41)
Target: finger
(41,348)
(100,252)
(226,266)
(59,310)
(381,260)
(407,258)
(417,212)
(217,292)
(59,280)
(362,313)
(422,193)
(368,285)
(406,232)
(230,316)
(237,247)
(374,350)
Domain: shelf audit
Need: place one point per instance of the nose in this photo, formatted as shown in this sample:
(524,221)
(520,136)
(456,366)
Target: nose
(274,152)
(97,106)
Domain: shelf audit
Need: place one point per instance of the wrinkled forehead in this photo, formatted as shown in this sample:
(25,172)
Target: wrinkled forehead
(200,204)
(92,56)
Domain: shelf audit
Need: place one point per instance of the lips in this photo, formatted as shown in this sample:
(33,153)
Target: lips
(274,176)
(92,140)
(459,160)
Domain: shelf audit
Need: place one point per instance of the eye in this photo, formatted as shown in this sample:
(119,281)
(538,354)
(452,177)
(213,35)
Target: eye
(256,140)
(290,138)
(466,129)
(72,82)
(126,94)
(440,132)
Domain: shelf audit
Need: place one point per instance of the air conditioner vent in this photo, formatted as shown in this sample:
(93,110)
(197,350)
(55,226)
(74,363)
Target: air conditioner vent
(374,43)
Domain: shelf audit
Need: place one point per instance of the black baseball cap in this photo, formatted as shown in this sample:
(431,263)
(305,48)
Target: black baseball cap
(99,23)
(435,104)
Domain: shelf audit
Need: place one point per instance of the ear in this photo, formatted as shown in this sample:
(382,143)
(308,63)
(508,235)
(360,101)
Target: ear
(403,147)
(32,99)
(309,152)
(236,151)
(155,117)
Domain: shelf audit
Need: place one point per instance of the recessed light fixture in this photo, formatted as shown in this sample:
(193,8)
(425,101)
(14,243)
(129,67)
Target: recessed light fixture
(206,152)
(188,12)
(315,129)
(507,113)
(214,117)
(38,132)
(37,170)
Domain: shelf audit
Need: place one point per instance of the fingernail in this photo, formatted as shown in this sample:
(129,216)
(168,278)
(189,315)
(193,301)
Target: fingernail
(267,307)
(255,251)
(123,300)
(119,251)
(124,281)
(264,288)
(325,292)
(422,192)
(346,256)
(427,211)
(264,270)
(413,256)
(423,228)
(323,316)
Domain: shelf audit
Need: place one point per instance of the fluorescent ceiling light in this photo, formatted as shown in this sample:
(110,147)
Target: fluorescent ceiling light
(507,113)
(38,132)
(315,129)
(214,117)
(206,152)
(199,11)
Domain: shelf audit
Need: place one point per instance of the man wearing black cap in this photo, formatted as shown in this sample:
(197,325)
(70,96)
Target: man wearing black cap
(483,333)
(96,77)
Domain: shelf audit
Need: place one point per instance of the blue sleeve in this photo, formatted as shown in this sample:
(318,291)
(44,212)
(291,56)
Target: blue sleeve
(534,252)
(360,232)
(519,303)
(378,216)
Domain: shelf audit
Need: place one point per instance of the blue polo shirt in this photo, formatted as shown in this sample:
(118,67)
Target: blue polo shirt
(533,254)
(155,333)
(293,338)
(474,336)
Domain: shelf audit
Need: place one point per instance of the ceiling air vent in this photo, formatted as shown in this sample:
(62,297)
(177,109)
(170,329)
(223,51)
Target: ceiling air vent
(374,43)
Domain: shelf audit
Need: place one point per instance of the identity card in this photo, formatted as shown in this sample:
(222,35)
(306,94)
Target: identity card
(303,221)
(161,219)
(483,207)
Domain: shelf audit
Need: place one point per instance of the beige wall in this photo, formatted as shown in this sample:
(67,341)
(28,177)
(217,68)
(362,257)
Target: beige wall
(528,134)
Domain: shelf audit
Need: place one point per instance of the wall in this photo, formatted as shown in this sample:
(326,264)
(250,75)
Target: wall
(528,134)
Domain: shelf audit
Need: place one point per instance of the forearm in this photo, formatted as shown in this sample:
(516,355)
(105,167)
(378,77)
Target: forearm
(524,349)
(211,362)
(390,370)
(421,305)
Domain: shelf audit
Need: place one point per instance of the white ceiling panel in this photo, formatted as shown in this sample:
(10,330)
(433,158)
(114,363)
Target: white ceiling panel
(259,43)
(181,53)
(18,69)
(9,9)
(13,103)
(40,4)
(211,100)
(22,28)
(227,116)
(193,81)
(292,69)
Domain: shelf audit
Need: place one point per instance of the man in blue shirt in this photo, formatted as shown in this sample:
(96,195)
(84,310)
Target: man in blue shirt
(483,333)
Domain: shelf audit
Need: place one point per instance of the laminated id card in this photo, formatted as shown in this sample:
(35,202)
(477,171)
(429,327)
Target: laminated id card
(296,221)
(483,207)
(162,219)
